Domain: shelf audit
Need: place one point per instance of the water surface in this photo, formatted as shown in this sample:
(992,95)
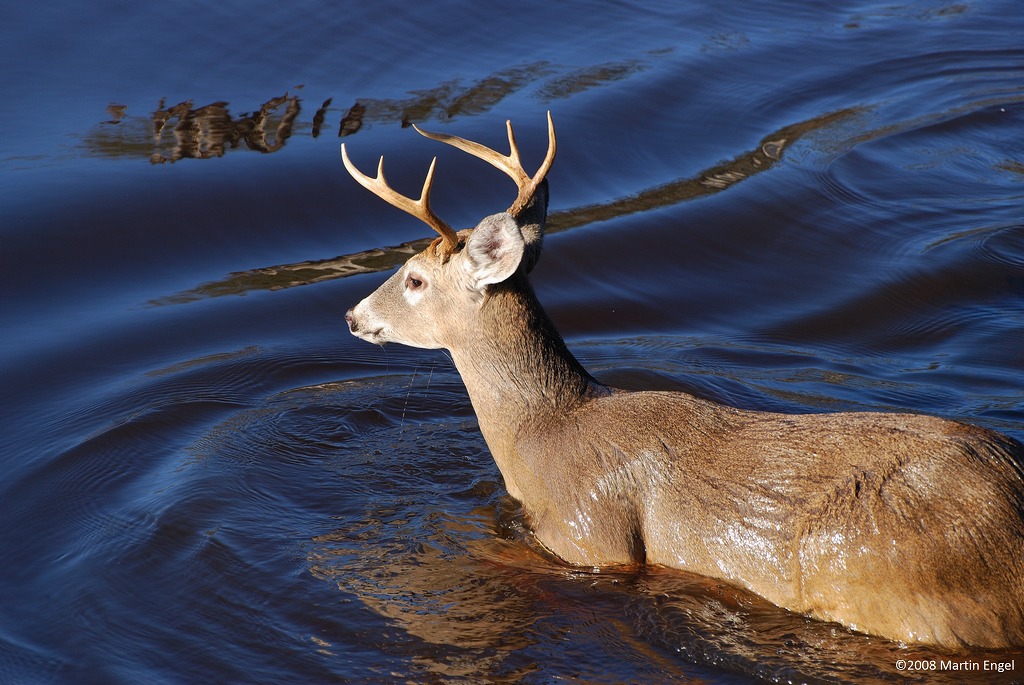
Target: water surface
(783,206)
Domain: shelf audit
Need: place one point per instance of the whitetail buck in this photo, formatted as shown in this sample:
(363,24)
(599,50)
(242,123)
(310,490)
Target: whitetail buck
(899,525)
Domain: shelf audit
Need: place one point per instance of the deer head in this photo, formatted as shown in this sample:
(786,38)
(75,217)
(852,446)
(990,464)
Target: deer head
(450,278)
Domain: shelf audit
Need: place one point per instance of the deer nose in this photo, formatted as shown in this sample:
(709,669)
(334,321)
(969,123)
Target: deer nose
(351,320)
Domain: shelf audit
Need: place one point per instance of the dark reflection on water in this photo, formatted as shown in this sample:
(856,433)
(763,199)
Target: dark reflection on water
(782,206)
(707,182)
(183,131)
(206,131)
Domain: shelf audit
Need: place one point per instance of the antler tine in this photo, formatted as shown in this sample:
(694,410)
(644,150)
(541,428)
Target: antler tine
(510,164)
(418,208)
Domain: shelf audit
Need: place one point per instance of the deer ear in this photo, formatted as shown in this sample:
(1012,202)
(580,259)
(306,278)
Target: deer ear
(494,250)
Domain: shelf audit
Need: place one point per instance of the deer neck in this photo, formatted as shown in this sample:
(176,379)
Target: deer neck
(516,367)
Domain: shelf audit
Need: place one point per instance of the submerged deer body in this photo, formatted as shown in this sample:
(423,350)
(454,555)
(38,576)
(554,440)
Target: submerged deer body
(903,526)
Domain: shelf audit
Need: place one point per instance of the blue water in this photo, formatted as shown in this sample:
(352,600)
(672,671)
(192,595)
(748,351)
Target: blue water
(780,205)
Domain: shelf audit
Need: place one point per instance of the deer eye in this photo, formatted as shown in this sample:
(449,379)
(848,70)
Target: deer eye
(413,283)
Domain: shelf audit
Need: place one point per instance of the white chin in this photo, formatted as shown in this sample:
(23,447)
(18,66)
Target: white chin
(374,337)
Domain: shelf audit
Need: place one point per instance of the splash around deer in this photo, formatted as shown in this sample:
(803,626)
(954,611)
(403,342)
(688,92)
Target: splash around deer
(904,526)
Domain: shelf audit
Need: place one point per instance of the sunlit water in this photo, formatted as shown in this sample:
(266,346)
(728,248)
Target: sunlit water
(784,206)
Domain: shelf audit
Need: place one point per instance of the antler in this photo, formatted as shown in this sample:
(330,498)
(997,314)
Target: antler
(510,164)
(418,208)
